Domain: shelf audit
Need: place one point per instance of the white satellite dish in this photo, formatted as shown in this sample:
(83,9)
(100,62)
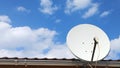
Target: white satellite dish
(88,42)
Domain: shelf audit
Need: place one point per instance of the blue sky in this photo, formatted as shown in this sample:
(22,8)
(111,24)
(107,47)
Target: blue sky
(42,25)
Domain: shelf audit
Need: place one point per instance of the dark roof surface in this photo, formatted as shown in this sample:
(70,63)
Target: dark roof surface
(55,62)
(26,58)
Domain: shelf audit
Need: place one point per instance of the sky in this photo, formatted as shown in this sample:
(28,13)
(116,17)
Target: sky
(38,28)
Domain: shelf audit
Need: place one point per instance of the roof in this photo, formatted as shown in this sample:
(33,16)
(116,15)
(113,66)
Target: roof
(55,62)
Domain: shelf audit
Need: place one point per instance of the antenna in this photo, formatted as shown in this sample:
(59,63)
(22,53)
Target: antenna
(88,42)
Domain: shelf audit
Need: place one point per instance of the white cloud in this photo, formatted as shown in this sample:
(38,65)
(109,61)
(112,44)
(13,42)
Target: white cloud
(91,11)
(27,42)
(22,9)
(59,51)
(57,20)
(81,5)
(10,53)
(12,38)
(105,13)
(115,49)
(4,18)
(74,5)
(47,7)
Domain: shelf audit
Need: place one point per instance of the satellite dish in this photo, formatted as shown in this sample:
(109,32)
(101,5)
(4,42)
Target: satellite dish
(88,42)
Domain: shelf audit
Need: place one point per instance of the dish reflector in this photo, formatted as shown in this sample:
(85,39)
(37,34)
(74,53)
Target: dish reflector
(82,39)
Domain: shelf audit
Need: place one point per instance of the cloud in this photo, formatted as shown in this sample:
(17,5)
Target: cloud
(24,38)
(91,11)
(81,5)
(57,21)
(22,9)
(47,7)
(105,13)
(74,5)
(27,42)
(115,49)
(10,53)
(59,51)
(4,18)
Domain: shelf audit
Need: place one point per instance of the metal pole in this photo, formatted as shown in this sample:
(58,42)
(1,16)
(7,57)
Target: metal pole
(95,43)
